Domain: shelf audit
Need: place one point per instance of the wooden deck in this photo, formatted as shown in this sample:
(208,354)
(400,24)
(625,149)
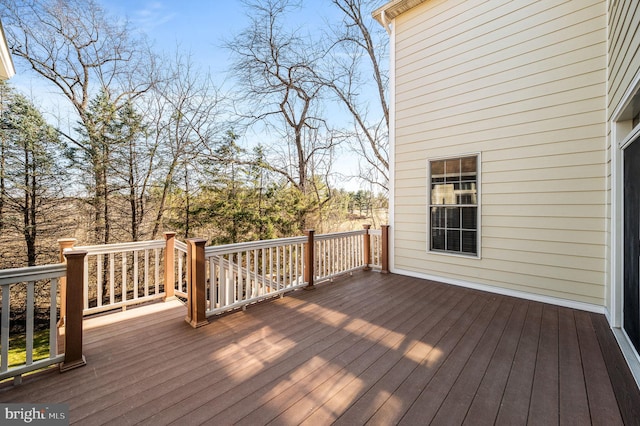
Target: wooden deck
(372,348)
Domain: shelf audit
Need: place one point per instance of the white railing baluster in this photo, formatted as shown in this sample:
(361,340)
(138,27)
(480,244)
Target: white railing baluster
(53,320)
(99,277)
(239,281)
(231,285)
(278,275)
(30,319)
(180,273)
(263,284)
(256,282)
(112,273)
(4,328)
(125,281)
(247,282)
(146,273)
(156,269)
(213,293)
(222,283)
(297,257)
(135,274)
(290,270)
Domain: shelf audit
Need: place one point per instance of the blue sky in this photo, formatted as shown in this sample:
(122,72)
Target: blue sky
(197,26)
(201,27)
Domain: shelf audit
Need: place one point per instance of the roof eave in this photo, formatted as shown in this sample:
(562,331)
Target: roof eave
(391,10)
(7,70)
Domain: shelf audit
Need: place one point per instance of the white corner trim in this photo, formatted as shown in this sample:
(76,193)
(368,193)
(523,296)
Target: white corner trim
(589,307)
(392,142)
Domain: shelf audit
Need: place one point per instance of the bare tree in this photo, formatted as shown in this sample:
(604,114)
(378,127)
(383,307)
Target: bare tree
(355,73)
(186,110)
(82,51)
(276,69)
(133,166)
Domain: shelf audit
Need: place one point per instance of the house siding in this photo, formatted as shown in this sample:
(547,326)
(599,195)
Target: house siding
(524,85)
(624,48)
(624,66)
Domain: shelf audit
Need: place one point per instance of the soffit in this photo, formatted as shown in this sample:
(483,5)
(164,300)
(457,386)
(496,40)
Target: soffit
(394,8)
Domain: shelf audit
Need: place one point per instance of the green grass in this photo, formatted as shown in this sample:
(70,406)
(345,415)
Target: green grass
(17,348)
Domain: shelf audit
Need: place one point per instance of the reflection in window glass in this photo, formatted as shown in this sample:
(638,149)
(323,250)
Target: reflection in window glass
(454,205)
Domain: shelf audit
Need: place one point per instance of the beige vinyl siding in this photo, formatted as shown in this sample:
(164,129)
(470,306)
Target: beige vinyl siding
(524,85)
(623,66)
(624,48)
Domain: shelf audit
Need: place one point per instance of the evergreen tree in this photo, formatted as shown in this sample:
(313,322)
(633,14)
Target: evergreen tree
(31,182)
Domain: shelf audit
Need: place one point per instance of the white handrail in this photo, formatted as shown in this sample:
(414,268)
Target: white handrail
(252,245)
(32,273)
(121,247)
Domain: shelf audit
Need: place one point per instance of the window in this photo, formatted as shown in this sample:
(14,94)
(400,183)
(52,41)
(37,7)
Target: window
(453,208)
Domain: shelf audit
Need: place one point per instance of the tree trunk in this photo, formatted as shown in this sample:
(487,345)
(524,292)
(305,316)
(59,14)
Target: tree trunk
(2,181)
(132,195)
(187,203)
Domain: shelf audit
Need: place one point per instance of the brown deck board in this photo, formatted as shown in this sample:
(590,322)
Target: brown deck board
(453,409)
(602,403)
(624,387)
(426,405)
(484,408)
(574,406)
(543,409)
(514,406)
(371,348)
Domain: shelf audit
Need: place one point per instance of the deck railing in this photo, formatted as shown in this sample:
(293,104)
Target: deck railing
(238,274)
(120,275)
(222,278)
(22,283)
(180,270)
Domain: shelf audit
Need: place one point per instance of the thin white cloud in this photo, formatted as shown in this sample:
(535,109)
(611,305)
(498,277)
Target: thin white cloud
(153,15)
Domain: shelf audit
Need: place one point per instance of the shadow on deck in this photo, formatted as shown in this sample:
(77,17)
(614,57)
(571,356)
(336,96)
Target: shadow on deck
(374,348)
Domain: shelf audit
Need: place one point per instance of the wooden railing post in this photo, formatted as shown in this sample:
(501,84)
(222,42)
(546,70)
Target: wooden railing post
(169,266)
(196,282)
(64,244)
(367,247)
(385,249)
(309,260)
(73,356)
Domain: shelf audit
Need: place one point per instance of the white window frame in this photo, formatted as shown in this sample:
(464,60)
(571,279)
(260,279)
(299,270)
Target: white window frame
(478,254)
